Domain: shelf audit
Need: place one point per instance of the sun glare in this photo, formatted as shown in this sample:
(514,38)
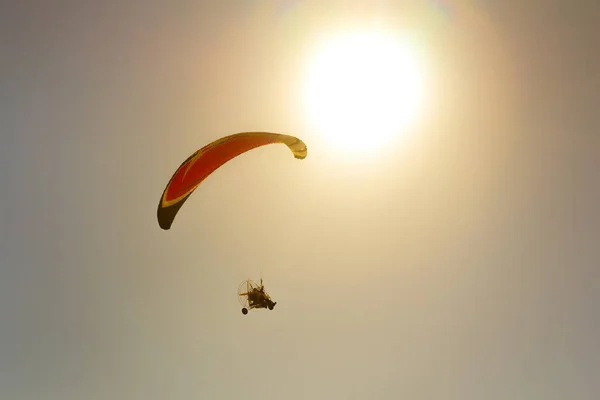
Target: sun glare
(363,89)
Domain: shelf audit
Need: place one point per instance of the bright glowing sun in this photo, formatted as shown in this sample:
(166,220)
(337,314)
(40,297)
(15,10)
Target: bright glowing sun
(363,89)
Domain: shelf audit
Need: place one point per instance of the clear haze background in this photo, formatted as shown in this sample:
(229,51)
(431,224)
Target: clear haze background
(460,265)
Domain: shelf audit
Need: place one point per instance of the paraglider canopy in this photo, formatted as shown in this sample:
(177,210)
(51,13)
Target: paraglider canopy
(205,161)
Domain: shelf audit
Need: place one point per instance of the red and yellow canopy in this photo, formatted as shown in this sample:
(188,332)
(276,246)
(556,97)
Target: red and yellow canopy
(205,161)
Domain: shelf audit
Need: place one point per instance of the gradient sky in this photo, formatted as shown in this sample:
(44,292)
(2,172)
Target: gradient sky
(463,265)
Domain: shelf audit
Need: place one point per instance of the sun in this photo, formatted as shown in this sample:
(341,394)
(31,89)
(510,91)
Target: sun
(363,89)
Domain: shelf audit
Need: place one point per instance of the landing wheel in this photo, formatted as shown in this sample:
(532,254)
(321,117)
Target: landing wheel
(271,306)
(244,311)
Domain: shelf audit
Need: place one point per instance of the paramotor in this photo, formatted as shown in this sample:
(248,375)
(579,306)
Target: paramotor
(253,295)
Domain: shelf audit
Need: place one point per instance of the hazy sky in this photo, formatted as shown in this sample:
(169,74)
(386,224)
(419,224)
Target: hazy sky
(462,265)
